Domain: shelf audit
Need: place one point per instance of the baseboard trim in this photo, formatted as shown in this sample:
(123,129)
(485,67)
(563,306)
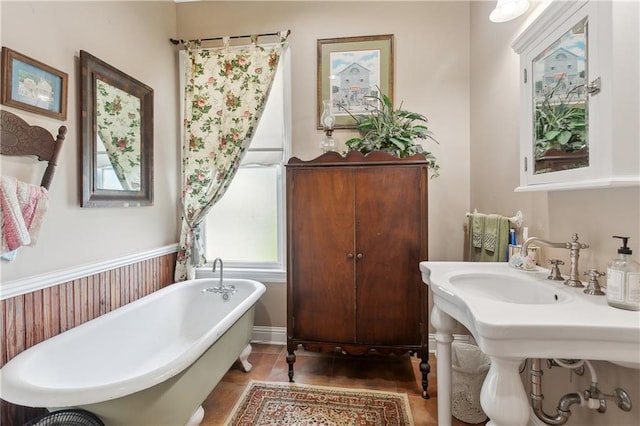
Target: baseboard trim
(269,335)
(278,336)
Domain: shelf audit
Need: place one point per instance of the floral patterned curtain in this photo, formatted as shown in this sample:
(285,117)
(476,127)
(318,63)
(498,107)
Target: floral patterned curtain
(226,90)
(118,126)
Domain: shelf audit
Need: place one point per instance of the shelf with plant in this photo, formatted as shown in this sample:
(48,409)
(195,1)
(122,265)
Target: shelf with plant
(560,122)
(395,131)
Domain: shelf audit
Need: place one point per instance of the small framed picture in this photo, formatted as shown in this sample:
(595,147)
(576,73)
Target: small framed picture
(32,86)
(351,71)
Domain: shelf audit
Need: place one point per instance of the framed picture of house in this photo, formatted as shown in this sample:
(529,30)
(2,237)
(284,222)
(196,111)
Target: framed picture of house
(32,86)
(350,71)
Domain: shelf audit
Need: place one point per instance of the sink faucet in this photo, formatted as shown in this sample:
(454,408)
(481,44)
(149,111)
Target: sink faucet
(221,288)
(574,252)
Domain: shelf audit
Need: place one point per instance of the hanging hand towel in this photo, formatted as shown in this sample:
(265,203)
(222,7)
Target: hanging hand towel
(495,239)
(476,233)
(23,208)
(476,221)
(490,236)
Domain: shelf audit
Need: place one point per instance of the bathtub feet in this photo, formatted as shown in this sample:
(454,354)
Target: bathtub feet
(244,359)
(196,418)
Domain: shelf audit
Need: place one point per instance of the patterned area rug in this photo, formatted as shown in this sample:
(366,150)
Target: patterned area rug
(270,403)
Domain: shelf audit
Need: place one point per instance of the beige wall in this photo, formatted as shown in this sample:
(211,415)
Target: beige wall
(595,215)
(133,37)
(432,72)
(474,115)
(459,69)
(431,77)
(451,64)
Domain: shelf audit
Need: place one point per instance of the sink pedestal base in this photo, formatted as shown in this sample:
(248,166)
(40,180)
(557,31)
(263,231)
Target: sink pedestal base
(503,398)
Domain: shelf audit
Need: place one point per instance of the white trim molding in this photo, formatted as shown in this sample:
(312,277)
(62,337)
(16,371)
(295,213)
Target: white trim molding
(269,335)
(49,279)
(271,276)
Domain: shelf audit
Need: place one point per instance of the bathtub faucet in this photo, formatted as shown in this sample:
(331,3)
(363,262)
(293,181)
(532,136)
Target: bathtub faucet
(216,261)
(574,252)
(221,288)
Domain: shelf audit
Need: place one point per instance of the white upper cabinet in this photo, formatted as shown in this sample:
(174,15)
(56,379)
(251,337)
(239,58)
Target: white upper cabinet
(580,96)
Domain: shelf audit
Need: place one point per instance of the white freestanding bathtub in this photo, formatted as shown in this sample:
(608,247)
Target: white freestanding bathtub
(151,362)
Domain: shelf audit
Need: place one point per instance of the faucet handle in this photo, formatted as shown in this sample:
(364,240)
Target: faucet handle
(555,270)
(593,288)
(574,243)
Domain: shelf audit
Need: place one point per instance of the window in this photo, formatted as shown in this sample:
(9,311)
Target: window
(246,228)
(106,177)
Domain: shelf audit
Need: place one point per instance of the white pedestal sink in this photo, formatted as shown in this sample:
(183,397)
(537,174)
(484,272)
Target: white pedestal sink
(514,315)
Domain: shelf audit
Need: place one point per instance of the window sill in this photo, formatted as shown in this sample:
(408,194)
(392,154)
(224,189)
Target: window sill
(271,276)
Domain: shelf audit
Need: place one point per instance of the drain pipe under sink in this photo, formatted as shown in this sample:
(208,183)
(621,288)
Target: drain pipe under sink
(563,410)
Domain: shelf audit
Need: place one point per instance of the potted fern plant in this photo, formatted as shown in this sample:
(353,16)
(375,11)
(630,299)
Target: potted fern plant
(560,129)
(395,131)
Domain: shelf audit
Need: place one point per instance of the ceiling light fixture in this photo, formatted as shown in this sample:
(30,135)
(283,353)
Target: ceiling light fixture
(507,10)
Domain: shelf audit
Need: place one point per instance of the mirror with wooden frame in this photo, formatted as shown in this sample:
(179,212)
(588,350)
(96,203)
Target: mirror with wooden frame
(117,137)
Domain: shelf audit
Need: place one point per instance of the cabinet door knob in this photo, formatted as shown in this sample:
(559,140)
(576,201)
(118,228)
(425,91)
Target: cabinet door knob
(359,256)
(350,256)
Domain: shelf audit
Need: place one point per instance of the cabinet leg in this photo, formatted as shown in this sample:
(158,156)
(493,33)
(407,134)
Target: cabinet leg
(425,368)
(291,358)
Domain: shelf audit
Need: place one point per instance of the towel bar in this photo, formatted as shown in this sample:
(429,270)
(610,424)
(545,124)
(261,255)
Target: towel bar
(516,220)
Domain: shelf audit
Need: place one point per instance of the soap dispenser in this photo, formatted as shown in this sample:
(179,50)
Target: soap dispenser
(623,279)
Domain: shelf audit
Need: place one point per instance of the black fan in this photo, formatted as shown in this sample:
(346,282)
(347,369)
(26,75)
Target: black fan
(72,417)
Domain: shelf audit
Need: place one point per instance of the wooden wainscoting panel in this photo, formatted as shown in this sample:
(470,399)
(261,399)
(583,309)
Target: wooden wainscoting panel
(15,331)
(104,295)
(66,306)
(32,314)
(51,311)
(28,319)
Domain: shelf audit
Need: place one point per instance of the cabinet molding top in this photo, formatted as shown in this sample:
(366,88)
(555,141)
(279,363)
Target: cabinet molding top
(375,157)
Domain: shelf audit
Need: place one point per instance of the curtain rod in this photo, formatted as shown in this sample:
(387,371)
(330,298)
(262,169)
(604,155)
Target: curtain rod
(176,42)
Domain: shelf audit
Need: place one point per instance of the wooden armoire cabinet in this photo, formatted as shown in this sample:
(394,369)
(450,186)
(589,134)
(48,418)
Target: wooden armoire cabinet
(356,232)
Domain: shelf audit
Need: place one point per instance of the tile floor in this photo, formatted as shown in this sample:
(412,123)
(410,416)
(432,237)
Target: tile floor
(390,373)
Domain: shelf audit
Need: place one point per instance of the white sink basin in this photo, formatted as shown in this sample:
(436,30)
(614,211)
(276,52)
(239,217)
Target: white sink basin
(514,315)
(517,313)
(507,288)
